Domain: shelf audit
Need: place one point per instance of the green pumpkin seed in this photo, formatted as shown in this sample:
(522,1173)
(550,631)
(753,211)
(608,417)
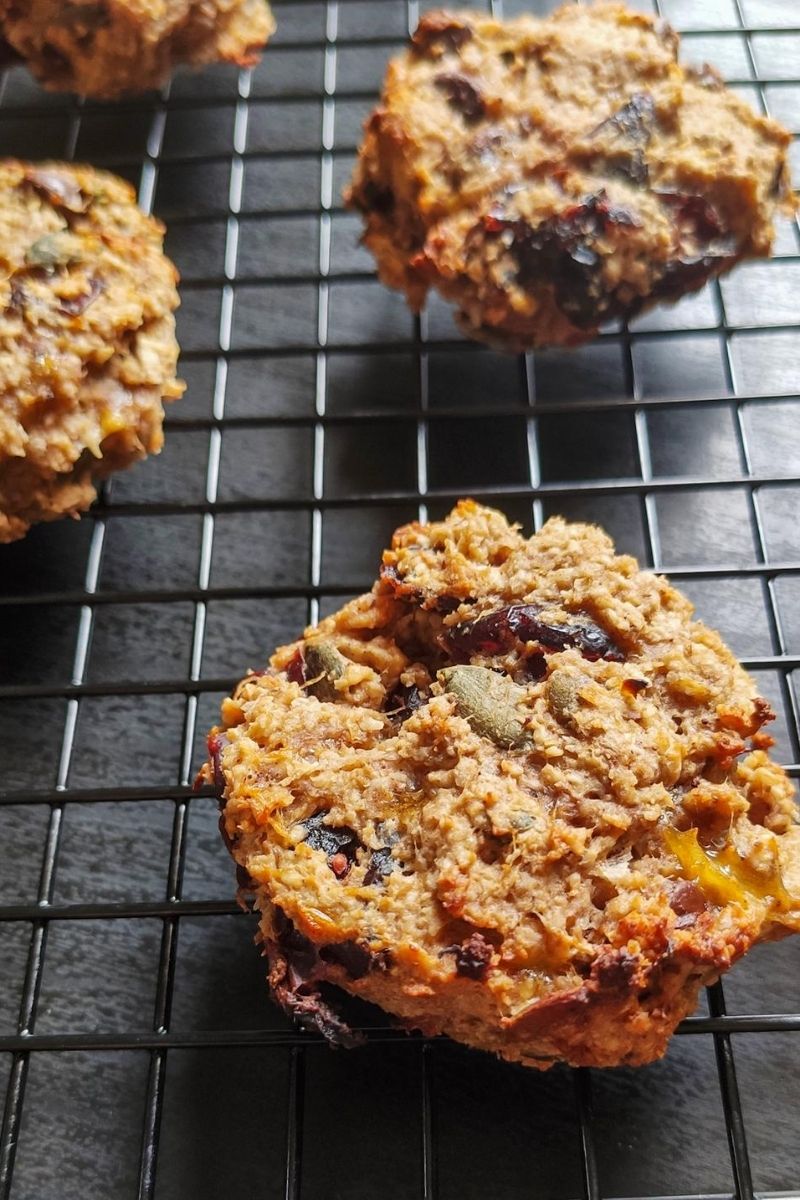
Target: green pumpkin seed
(562,693)
(490,702)
(324,664)
(53,250)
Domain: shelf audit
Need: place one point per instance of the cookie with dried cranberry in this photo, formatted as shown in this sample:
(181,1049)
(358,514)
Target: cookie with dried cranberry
(551,175)
(87,338)
(106,48)
(514,794)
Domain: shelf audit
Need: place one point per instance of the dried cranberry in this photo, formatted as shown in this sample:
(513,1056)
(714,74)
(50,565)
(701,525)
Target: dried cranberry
(216,744)
(472,956)
(381,864)
(497,631)
(296,669)
(338,843)
(462,95)
(703,245)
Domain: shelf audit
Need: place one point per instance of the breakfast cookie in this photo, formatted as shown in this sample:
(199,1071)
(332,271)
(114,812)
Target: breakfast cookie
(87,337)
(551,175)
(515,794)
(104,48)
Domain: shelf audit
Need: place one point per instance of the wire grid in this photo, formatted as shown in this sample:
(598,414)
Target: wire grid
(231,158)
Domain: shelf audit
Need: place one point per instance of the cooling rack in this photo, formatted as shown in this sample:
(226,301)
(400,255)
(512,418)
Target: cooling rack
(138,1054)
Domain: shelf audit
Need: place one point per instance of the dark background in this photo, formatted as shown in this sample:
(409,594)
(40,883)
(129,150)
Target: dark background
(141,1056)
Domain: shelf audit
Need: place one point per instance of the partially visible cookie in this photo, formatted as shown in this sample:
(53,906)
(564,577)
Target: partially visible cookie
(105,48)
(87,337)
(514,794)
(549,175)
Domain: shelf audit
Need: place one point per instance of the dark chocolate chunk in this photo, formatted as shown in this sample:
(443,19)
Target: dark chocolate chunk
(462,95)
(353,956)
(294,976)
(381,864)
(404,701)
(623,137)
(564,251)
(339,843)
(634,121)
(497,631)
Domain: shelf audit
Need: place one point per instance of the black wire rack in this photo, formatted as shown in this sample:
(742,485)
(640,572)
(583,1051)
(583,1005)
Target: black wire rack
(138,1054)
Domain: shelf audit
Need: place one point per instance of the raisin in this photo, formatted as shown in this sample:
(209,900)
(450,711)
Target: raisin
(295,669)
(381,864)
(686,897)
(462,95)
(497,631)
(472,956)
(338,843)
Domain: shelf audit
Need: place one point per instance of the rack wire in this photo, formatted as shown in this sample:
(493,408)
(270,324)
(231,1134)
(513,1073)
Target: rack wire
(138,1053)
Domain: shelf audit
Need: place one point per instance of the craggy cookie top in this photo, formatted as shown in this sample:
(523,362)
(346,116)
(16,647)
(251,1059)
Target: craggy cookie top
(104,48)
(513,770)
(87,335)
(548,175)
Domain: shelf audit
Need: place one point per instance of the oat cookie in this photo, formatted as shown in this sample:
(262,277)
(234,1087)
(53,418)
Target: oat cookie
(514,794)
(550,175)
(87,337)
(105,48)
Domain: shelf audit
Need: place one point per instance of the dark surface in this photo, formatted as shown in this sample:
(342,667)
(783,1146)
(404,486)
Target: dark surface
(287,465)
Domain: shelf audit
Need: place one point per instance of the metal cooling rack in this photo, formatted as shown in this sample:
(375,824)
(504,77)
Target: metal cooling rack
(138,1054)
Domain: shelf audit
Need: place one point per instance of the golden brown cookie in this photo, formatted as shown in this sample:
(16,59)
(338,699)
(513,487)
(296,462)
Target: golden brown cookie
(514,794)
(104,48)
(87,337)
(550,175)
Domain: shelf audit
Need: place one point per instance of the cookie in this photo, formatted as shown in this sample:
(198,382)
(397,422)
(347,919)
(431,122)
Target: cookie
(107,48)
(547,176)
(87,337)
(514,794)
